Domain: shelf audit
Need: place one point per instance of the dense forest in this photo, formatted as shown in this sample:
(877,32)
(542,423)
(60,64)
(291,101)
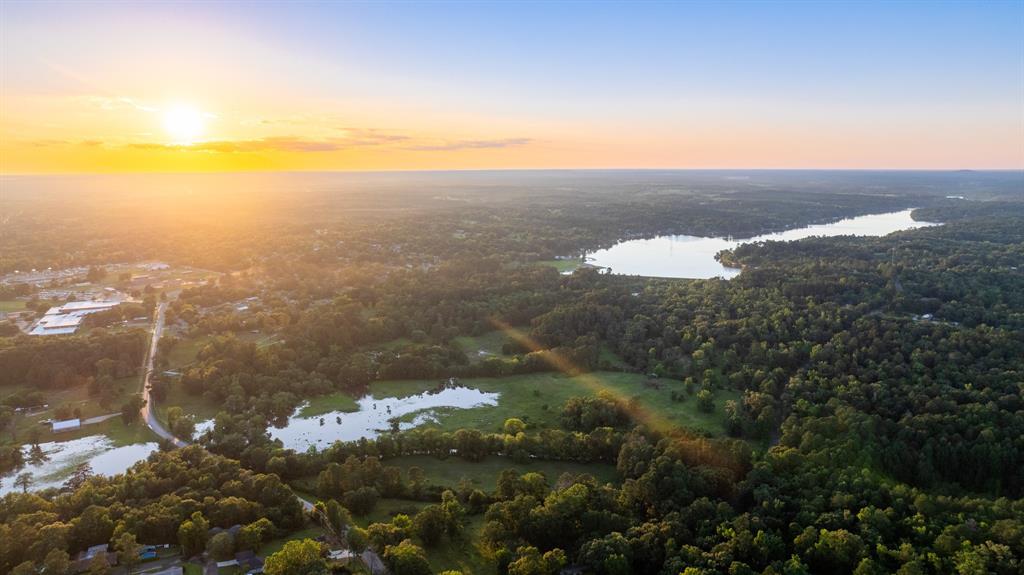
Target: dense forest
(877,425)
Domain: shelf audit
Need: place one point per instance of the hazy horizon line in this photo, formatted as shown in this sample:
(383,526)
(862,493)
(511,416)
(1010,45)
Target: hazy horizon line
(485,170)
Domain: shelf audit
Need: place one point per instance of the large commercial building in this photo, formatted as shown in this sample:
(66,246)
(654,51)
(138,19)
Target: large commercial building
(65,319)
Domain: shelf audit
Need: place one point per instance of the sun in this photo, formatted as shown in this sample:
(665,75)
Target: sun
(183,124)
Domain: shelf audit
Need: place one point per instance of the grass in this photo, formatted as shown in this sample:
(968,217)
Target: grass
(482,346)
(607,357)
(11,305)
(192,569)
(185,351)
(77,397)
(196,405)
(114,428)
(328,403)
(561,265)
(484,474)
(466,555)
(386,509)
(537,399)
(275,545)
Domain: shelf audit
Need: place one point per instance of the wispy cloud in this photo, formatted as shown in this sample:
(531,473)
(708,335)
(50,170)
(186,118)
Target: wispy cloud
(371,137)
(471,145)
(277,144)
(111,103)
(352,138)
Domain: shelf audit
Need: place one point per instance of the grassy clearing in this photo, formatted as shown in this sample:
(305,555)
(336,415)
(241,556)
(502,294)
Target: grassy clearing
(466,555)
(561,265)
(275,545)
(610,359)
(185,351)
(114,428)
(75,398)
(386,510)
(483,346)
(196,405)
(537,399)
(328,403)
(11,305)
(484,474)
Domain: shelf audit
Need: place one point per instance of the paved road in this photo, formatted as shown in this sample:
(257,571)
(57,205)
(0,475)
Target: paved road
(149,409)
(149,416)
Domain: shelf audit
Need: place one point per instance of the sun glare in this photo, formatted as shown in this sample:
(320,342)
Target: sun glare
(183,124)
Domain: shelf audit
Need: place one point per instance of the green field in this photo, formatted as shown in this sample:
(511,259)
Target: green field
(184,351)
(386,509)
(11,305)
(328,403)
(464,556)
(609,359)
(484,474)
(196,405)
(483,346)
(537,399)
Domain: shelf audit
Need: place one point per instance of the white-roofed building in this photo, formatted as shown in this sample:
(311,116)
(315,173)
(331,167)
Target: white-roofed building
(67,425)
(65,319)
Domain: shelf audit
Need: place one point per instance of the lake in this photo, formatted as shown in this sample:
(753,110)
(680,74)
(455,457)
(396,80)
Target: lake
(693,257)
(63,457)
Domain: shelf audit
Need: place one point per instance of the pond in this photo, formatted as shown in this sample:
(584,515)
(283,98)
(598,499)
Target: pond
(62,457)
(373,417)
(693,257)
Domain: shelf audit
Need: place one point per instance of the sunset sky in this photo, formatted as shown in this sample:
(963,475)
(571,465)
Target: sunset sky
(183,86)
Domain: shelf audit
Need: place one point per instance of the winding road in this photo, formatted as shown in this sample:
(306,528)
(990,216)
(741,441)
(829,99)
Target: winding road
(148,411)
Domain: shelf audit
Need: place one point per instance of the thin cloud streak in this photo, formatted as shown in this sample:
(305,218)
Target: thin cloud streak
(472,145)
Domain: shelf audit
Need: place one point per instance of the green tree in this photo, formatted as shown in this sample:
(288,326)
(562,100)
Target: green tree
(99,565)
(362,500)
(130,409)
(406,558)
(127,550)
(192,534)
(514,426)
(25,568)
(357,538)
(296,558)
(429,525)
(221,546)
(24,481)
(56,562)
(336,517)
(705,402)
(529,561)
(253,535)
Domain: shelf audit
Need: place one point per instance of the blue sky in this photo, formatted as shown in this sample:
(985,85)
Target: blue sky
(572,74)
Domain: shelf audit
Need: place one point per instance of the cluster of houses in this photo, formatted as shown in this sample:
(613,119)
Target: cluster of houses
(246,562)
